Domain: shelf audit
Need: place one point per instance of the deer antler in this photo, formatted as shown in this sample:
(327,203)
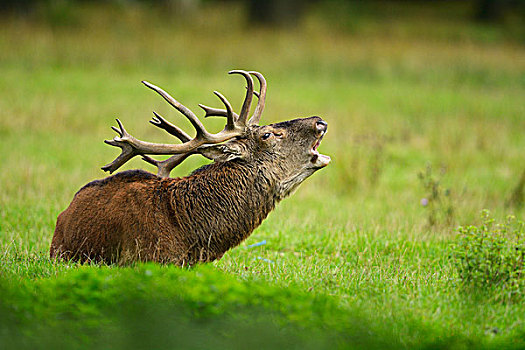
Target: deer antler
(235,126)
(162,123)
(254,120)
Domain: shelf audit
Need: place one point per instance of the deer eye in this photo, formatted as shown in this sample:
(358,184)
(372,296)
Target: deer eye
(266,135)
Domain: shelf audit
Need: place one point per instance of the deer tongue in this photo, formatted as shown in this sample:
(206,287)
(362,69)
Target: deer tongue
(319,160)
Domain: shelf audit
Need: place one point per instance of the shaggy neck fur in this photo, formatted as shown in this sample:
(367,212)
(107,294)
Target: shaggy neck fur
(220,205)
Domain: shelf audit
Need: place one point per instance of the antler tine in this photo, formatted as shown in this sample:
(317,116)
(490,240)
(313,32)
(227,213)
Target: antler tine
(128,151)
(201,131)
(254,92)
(174,130)
(164,167)
(245,110)
(254,120)
(230,123)
(216,112)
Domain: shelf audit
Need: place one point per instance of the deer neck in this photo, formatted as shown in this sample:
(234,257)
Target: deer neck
(246,191)
(228,200)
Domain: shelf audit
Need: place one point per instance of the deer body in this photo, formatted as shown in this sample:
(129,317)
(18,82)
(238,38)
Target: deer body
(182,221)
(139,216)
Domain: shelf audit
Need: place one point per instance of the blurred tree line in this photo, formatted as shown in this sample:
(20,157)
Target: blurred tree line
(273,12)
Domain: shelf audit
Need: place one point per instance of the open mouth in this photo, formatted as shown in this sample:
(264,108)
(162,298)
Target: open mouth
(319,160)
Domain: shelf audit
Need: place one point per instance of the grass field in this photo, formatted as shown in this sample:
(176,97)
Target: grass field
(421,106)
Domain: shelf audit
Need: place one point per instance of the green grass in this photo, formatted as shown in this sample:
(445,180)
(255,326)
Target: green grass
(350,258)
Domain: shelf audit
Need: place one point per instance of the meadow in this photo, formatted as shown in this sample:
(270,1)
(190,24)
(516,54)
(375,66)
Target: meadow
(426,119)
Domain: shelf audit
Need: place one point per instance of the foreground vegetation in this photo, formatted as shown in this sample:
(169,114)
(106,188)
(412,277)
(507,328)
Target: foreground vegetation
(426,124)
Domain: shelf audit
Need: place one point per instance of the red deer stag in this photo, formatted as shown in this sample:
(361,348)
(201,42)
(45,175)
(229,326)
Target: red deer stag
(137,216)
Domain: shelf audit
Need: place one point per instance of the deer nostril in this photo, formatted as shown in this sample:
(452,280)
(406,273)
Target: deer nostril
(321,125)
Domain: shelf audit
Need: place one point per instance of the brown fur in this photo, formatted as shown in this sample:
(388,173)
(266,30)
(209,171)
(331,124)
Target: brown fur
(137,216)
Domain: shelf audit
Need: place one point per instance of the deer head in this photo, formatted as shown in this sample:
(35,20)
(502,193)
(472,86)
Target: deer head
(287,150)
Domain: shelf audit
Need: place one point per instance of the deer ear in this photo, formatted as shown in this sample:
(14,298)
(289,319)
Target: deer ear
(224,152)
